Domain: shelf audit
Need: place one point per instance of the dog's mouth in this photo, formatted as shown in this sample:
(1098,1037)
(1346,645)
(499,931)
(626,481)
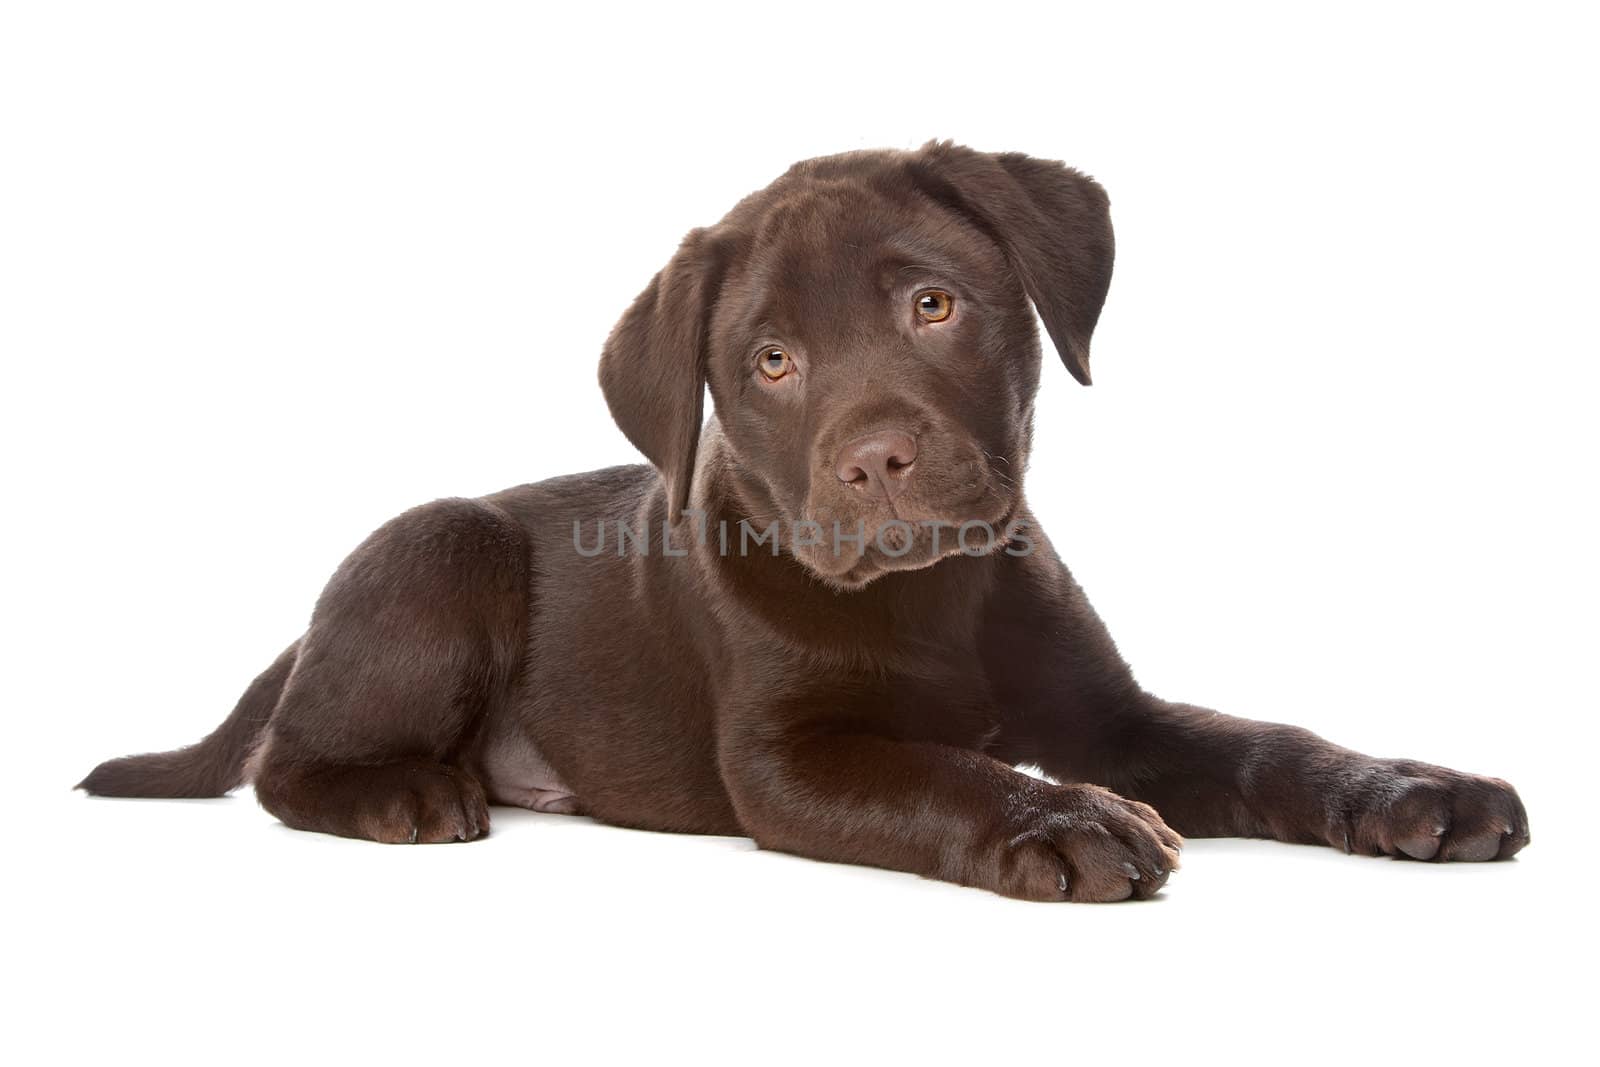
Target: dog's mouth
(848,556)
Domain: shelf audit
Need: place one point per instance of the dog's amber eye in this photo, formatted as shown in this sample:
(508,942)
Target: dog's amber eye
(774,363)
(935,305)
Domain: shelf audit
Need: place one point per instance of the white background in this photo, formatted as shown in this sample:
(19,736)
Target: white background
(271,274)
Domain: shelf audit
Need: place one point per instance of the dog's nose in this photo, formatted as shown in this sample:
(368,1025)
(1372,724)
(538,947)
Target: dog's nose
(878,463)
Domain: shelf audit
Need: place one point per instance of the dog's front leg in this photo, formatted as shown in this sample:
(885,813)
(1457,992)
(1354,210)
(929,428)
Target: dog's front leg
(826,790)
(1215,775)
(1075,710)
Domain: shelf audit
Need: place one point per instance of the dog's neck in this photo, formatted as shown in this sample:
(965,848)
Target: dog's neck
(724,488)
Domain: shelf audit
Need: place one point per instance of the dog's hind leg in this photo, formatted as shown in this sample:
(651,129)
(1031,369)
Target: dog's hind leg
(416,638)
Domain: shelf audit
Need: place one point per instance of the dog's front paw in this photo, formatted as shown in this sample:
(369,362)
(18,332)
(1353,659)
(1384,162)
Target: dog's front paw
(1084,843)
(1415,810)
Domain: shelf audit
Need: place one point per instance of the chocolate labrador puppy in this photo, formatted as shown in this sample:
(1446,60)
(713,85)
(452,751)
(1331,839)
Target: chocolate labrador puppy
(824,617)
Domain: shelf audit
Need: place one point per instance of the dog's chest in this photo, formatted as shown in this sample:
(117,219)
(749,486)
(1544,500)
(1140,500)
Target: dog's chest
(944,698)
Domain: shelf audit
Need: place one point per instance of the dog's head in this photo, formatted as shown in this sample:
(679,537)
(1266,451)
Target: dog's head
(864,326)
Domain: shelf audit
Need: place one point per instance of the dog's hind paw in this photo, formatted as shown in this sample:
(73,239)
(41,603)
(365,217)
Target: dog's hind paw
(432,803)
(405,802)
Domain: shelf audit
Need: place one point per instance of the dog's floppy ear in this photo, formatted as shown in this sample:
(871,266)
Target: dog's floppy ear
(1054,224)
(653,366)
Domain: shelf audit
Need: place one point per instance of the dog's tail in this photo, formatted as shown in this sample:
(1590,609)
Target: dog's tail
(209,768)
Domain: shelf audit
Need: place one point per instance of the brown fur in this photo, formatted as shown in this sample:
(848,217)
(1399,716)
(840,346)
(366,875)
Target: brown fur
(849,703)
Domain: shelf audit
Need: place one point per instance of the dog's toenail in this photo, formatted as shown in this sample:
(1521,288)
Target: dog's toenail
(1131,871)
(1061,882)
